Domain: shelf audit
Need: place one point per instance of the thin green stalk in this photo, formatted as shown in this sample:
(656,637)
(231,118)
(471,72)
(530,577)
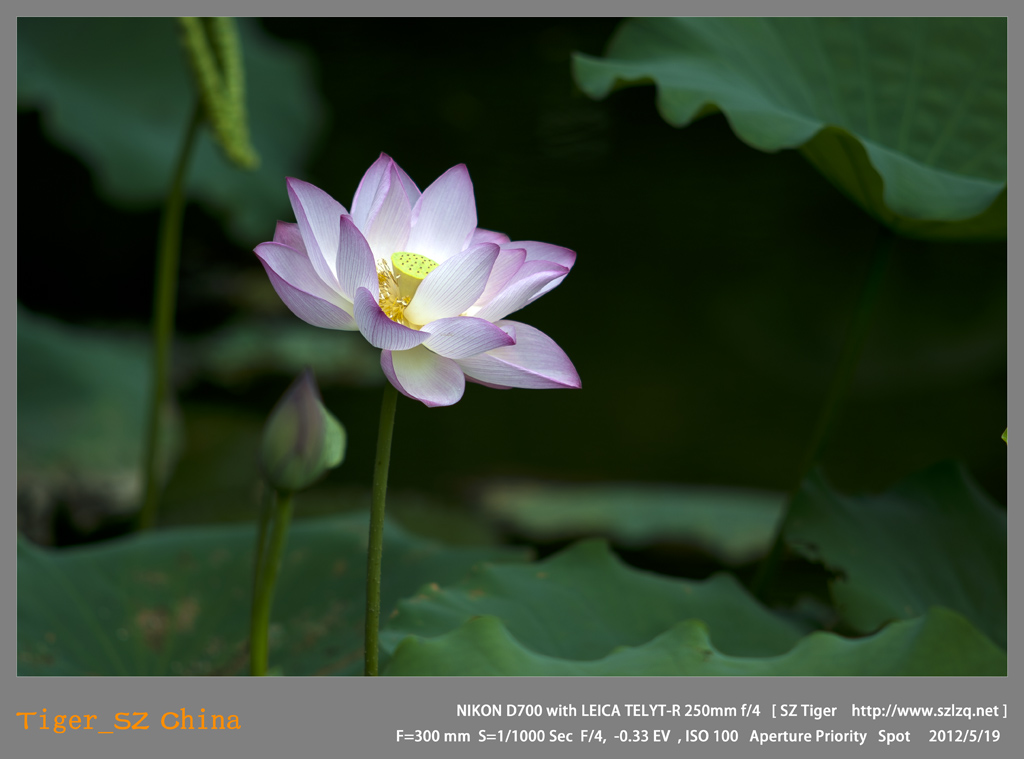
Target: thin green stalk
(266,517)
(856,337)
(375,552)
(164,296)
(266,577)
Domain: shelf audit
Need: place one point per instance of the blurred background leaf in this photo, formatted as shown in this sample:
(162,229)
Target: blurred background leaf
(117,92)
(246,349)
(934,539)
(732,526)
(906,116)
(82,406)
(176,601)
(584,602)
(940,643)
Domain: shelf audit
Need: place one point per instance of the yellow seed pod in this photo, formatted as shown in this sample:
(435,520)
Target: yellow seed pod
(412,265)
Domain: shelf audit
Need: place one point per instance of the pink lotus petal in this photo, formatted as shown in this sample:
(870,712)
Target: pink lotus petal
(487,384)
(367,194)
(379,330)
(387,226)
(288,234)
(356,265)
(444,217)
(464,336)
(296,270)
(411,190)
(486,235)
(310,308)
(523,288)
(542,251)
(317,214)
(417,373)
(505,267)
(535,361)
(453,286)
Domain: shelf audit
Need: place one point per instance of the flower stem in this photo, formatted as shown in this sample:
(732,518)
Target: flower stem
(375,552)
(856,337)
(164,295)
(266,577)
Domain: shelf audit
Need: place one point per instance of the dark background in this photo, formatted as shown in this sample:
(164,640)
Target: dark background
(705,314)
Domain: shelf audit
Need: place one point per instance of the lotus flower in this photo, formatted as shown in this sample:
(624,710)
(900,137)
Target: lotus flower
(413,273)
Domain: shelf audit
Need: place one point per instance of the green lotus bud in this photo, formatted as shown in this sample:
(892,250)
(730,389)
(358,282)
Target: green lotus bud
(1005,439)
(301,439)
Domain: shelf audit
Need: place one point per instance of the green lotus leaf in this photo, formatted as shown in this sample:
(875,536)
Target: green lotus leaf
(117,93)
(939,643)
(583,603)
(906,116)
(734,526)
(82,410)
(177,601)
(933,540)
(248,347)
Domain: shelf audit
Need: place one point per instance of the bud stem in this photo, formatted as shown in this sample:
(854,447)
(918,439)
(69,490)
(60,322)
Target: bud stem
(268,562)
(375,552)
